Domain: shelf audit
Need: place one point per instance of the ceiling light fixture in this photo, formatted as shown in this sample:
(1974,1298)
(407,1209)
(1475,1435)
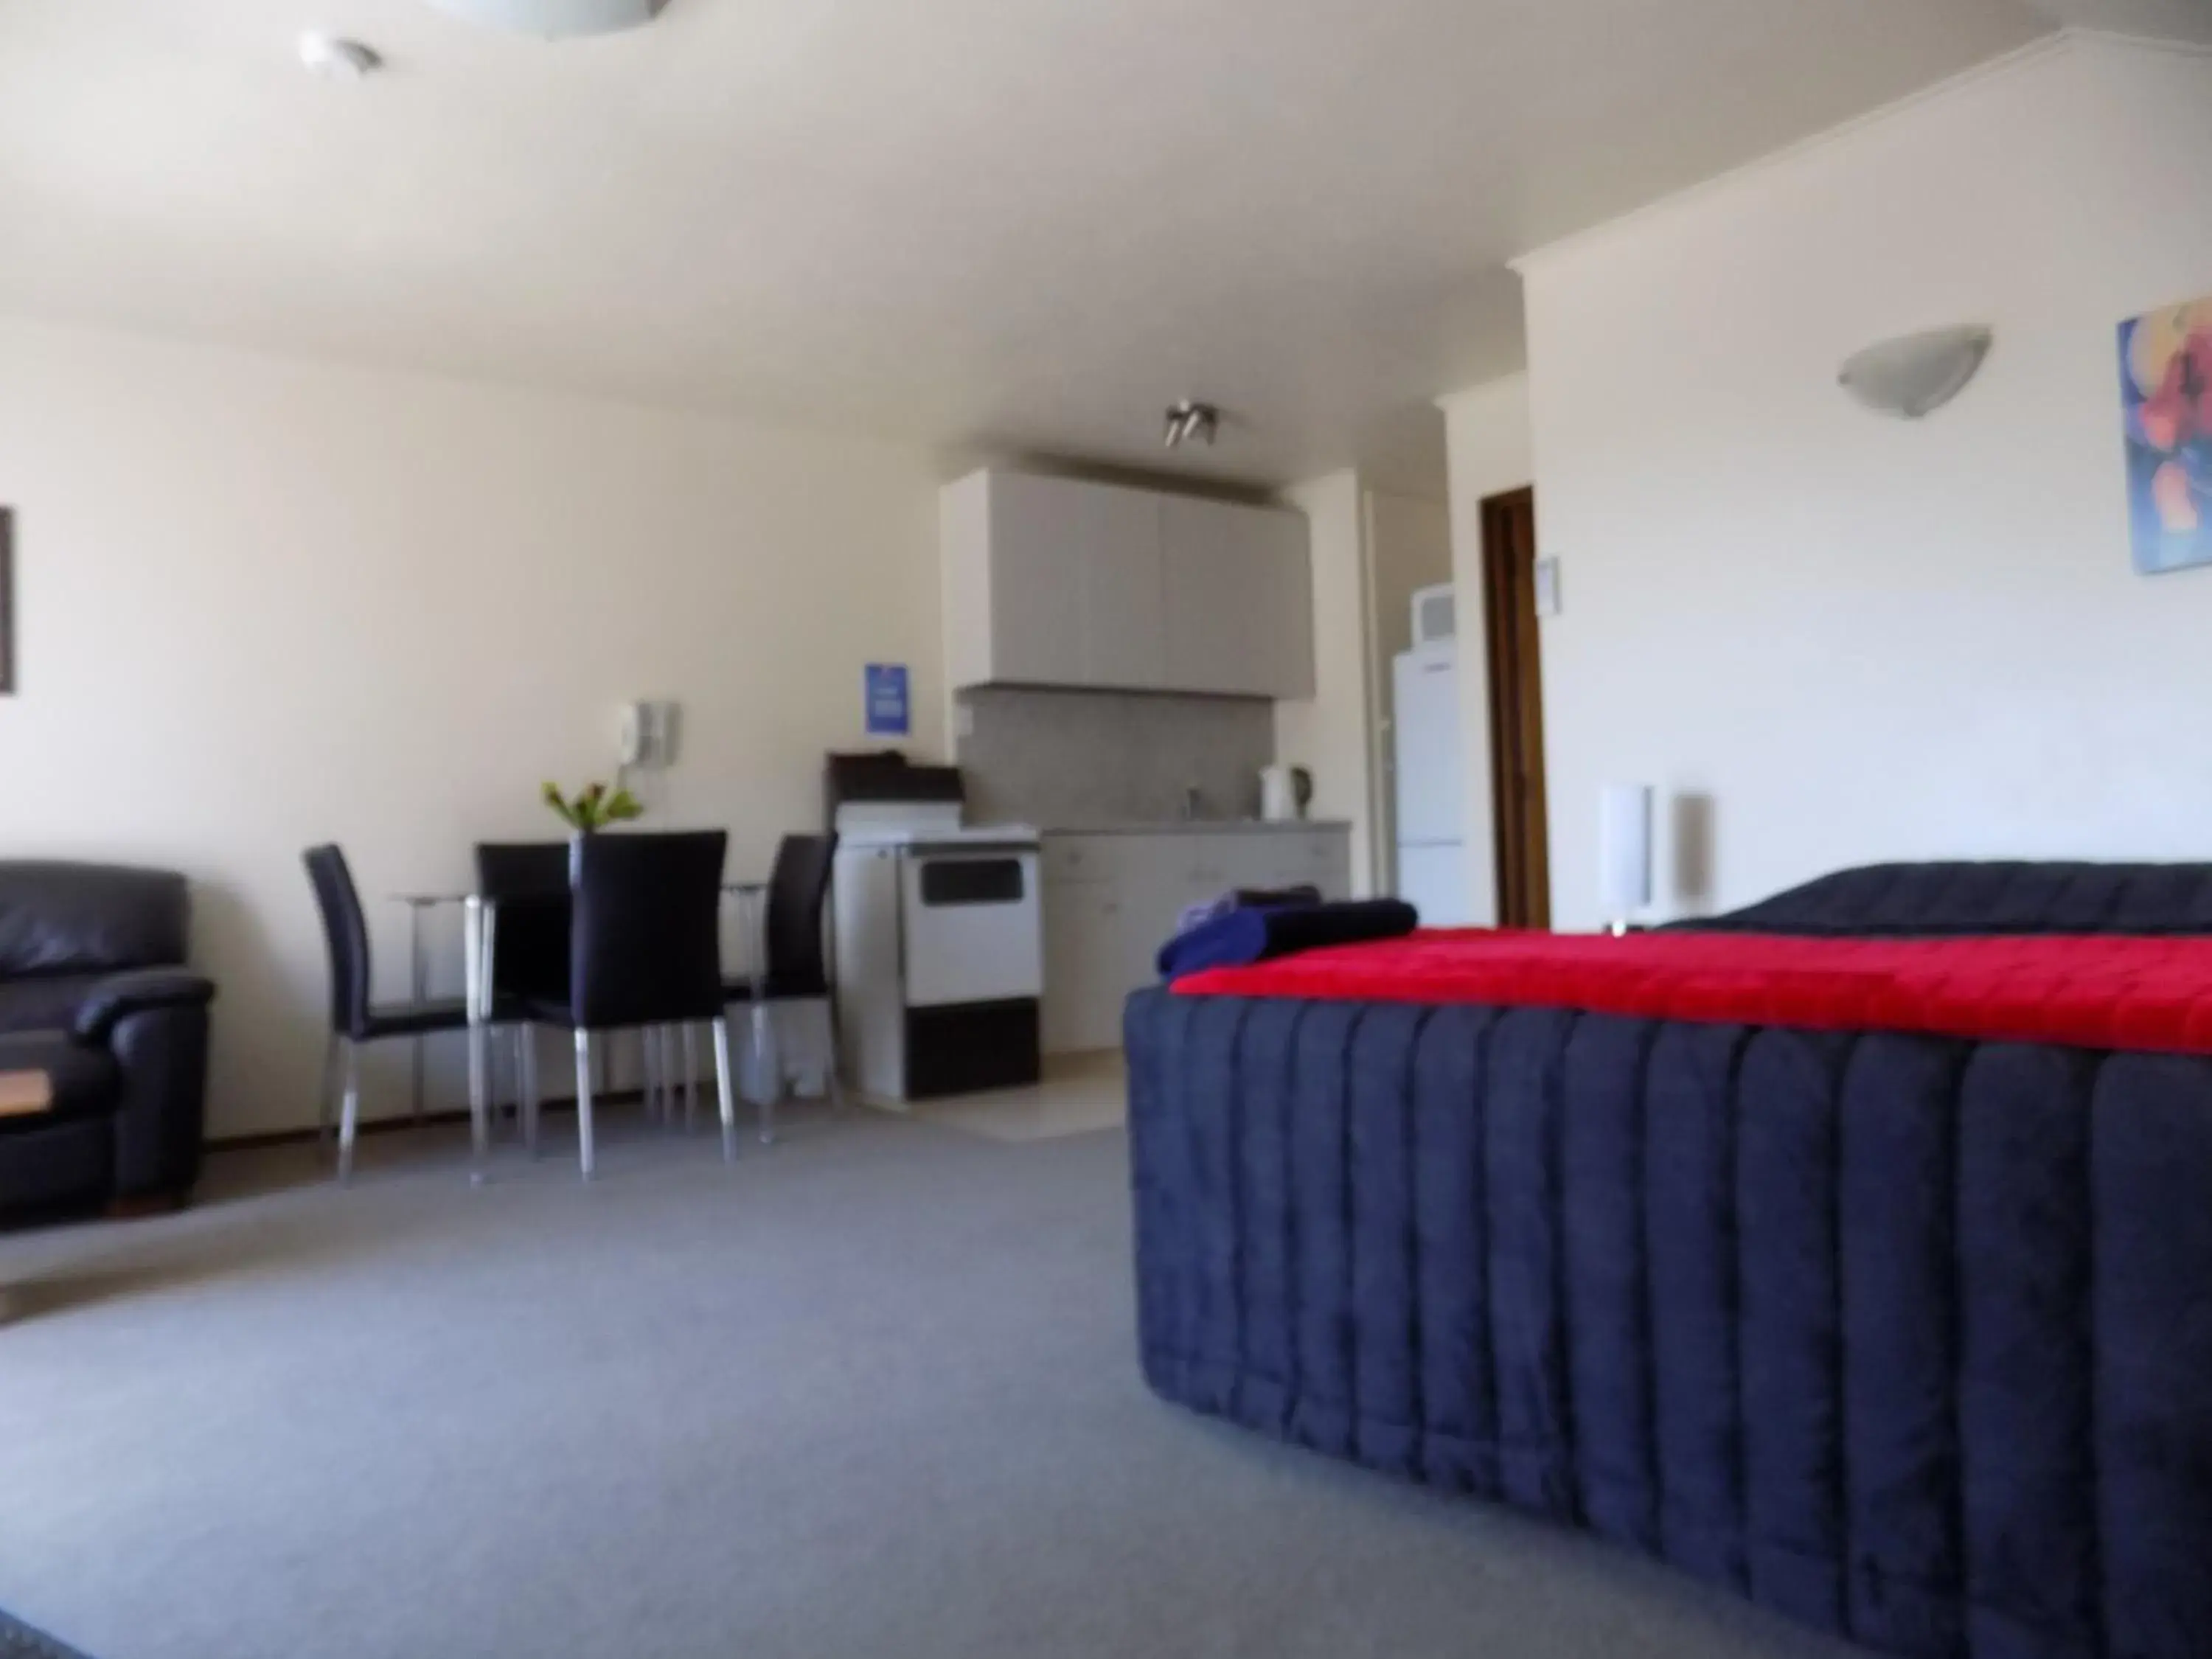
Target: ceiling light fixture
(1190,419)
(337,59)
(1916,374)
(554,19)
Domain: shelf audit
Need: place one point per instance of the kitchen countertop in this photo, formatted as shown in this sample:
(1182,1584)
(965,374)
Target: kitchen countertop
(1199,827)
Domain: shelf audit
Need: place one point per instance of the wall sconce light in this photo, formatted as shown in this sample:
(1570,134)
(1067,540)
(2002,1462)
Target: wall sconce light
(1916,374)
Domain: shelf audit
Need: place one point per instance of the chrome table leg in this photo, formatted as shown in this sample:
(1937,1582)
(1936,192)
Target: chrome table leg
(725,1091)
(770,1049)
(584,1101)
(476,951)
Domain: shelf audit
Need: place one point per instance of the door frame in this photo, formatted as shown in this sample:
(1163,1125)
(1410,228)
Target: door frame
(1513,699)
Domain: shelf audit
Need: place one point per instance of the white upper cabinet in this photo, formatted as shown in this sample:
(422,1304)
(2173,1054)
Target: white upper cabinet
(1055,582)
(1124,590)
(1035,620)
(1240,598)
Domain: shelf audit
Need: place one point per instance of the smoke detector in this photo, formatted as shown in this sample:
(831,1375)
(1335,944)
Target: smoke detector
(1190,419)
(555,19)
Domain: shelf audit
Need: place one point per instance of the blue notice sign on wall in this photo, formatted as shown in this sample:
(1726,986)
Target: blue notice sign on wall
(889,712)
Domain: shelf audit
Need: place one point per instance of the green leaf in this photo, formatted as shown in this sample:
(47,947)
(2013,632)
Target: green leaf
(595,807)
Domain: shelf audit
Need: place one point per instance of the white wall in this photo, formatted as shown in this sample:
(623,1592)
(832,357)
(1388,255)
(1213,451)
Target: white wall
(265,603)
(1486,440)
(1330,733)
(1866,639)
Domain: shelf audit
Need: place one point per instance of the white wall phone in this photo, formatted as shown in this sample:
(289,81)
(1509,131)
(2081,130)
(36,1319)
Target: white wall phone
(648,733)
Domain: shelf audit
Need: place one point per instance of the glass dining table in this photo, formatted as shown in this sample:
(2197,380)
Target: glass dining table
(479,937)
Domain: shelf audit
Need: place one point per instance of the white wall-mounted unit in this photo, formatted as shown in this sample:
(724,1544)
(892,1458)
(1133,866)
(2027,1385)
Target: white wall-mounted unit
(1062,582)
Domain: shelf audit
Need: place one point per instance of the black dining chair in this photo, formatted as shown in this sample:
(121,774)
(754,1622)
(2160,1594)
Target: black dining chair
(525,885)
(791,960)
(644,951)
(354,1018)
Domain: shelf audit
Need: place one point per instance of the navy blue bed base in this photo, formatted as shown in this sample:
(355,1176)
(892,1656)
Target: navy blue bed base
(1910,1339)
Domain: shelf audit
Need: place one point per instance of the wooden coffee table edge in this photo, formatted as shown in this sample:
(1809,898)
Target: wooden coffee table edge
(24,1094)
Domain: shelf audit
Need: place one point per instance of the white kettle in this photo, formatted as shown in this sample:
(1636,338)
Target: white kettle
(1285,792)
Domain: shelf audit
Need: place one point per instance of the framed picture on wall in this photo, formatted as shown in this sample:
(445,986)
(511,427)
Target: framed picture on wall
(6,602)
(2166,399)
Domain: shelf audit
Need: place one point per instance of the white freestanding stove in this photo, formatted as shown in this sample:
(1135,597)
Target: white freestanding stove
(941,950)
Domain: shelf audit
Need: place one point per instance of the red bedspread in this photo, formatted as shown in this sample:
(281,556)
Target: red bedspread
(2094,992)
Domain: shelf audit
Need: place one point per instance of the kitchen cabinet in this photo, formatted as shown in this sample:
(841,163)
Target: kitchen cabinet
(1239,599)
(1074,584)
(1111,900)
(1063,582)
(1091,937)
(1034,581)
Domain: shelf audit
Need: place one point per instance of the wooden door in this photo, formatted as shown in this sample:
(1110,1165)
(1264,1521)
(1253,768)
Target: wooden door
(1516,709)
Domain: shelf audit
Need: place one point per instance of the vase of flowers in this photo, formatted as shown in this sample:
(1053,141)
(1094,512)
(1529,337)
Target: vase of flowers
(592,809)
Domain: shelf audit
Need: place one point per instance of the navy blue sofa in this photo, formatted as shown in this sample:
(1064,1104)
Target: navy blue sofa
(96,998)
(1908,1338)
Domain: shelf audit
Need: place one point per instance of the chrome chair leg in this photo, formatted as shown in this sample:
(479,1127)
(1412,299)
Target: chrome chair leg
(725,1091)
(527,1039)
(584,1101)
(664,1067)
(326,1102)
(350,1115)
(690,1075)
(835,1081)
(655,1040)
(648,1071)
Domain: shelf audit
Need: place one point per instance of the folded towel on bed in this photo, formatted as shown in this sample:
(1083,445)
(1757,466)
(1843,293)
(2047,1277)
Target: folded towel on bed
(1262,934)
(1243,898)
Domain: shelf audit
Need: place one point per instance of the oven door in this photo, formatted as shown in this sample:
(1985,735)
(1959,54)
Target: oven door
(971,927)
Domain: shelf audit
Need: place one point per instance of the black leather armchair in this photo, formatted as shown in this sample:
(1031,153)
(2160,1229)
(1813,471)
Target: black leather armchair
(94,993)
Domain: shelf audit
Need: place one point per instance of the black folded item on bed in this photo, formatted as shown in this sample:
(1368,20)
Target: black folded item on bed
(1262,933)
(1998,897)
(1903,1336)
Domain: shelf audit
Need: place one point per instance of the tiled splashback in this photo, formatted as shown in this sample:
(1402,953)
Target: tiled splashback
(1062,758)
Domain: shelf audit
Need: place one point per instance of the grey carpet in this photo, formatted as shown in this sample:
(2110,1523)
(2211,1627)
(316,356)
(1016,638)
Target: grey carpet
(871,1393)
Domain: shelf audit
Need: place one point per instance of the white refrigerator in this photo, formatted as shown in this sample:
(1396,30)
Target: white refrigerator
(1432,779)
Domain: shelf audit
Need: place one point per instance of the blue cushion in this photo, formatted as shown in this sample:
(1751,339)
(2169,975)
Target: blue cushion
(1255,933)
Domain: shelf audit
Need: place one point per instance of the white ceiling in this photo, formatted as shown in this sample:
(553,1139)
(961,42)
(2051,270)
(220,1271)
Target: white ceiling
(1022,224)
